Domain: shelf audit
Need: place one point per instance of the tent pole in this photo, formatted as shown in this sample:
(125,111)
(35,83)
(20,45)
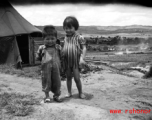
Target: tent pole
(31,55)
(29,46)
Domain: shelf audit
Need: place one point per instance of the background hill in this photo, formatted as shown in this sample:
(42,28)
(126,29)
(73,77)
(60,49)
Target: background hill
(127,31)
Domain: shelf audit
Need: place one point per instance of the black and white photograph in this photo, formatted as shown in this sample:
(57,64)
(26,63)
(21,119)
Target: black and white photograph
(75,60)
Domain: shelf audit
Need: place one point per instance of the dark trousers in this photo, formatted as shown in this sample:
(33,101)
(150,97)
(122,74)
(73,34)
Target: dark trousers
(51,80)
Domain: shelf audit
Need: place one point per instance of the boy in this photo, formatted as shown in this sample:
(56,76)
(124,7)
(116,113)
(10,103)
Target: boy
(48,54)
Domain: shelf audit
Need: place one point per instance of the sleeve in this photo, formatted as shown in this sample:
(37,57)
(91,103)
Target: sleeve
(82,41)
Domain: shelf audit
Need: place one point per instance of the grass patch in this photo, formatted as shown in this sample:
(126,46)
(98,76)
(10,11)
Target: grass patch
(31,72)
(17,104)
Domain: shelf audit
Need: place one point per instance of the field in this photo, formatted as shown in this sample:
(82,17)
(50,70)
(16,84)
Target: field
(111,81)
(113,86)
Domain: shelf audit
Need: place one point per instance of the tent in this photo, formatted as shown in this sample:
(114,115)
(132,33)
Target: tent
(16,36)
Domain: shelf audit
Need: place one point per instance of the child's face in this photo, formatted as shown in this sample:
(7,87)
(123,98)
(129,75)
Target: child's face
(69,31)
(50,40)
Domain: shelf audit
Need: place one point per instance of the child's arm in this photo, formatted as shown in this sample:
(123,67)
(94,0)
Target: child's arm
(39,53)
(82,57)
(83,51)
(82,42)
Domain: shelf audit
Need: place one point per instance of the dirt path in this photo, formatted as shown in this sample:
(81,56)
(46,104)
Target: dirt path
(105,90)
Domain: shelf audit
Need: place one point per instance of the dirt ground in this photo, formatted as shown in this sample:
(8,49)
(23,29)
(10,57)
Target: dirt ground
(105,90)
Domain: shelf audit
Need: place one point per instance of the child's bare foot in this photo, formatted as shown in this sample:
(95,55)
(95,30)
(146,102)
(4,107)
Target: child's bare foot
(82,96)
(68,95)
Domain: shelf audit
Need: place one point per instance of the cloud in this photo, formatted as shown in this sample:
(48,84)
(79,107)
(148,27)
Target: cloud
(104,15)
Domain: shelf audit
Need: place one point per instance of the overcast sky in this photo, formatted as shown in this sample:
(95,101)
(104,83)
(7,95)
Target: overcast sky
(87,14)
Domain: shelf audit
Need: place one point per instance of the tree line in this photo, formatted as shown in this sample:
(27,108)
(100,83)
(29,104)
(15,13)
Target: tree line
(117,40)
(113,43)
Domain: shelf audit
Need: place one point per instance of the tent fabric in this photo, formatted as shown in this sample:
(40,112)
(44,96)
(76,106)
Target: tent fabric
(5,46)
(9,51)
(12,23)
(14,56)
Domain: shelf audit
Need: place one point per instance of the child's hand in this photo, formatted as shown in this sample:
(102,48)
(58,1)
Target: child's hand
(82,62)
(58,47)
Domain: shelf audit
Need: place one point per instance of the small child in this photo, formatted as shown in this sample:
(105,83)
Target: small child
(48,54)
(74,50)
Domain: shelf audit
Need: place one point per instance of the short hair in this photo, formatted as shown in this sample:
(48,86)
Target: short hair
(49,30)
(71,21)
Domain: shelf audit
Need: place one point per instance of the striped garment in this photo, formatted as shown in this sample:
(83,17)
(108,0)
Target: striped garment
(72,50)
